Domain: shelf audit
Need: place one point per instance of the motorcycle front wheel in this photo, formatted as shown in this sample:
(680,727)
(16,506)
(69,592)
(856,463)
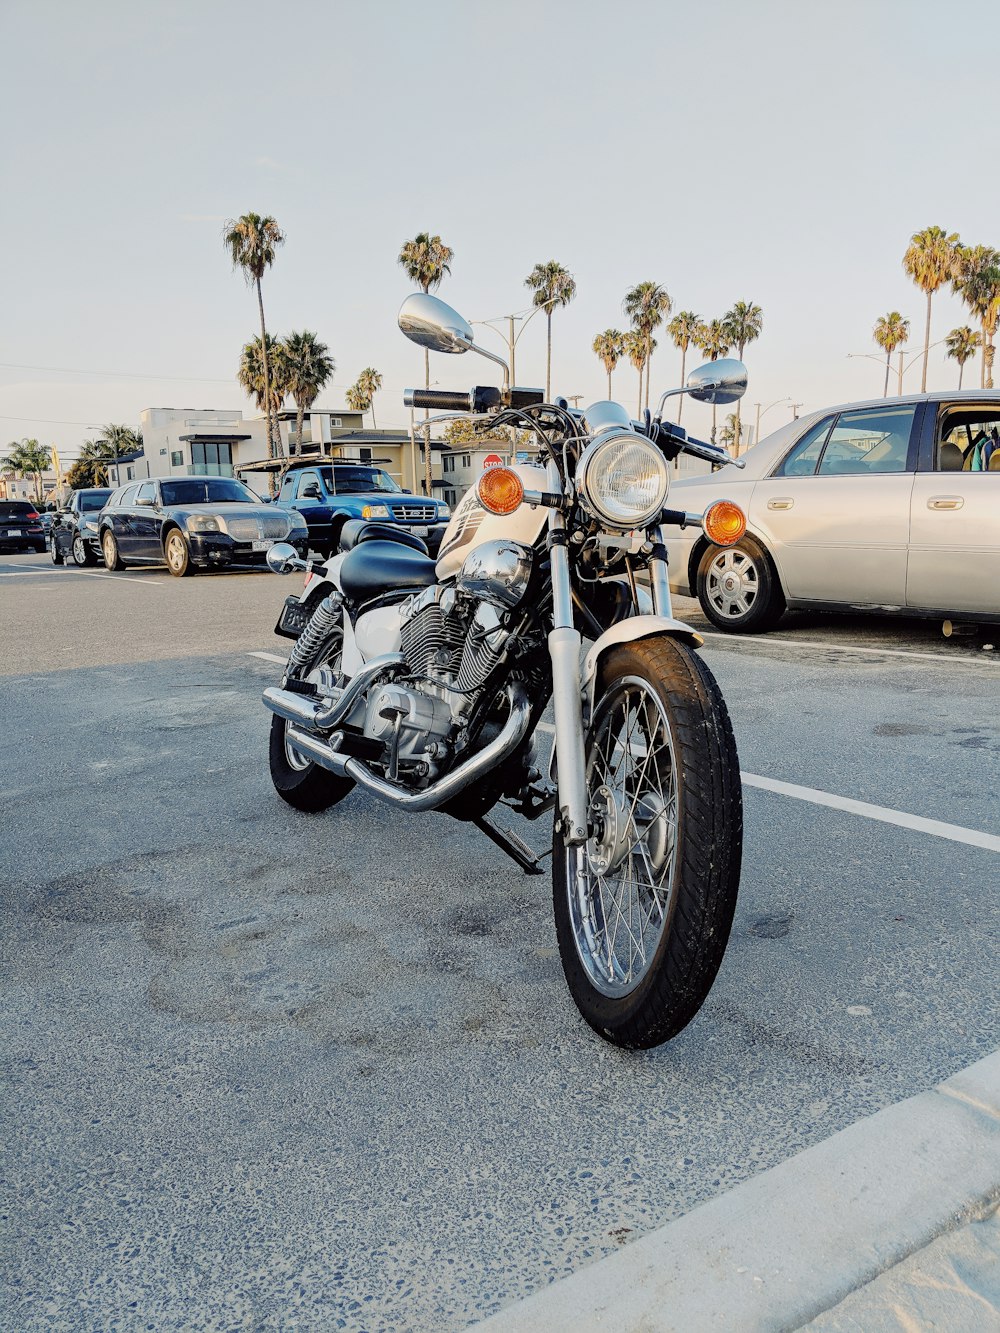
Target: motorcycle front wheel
(644,908)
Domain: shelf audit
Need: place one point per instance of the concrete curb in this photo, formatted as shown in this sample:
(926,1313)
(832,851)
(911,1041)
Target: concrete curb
(780,1249)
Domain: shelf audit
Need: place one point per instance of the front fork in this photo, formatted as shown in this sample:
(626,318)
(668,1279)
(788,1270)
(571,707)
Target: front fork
(564,650)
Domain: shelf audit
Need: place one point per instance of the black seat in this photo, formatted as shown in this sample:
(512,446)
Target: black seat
(358,530)
(375,567)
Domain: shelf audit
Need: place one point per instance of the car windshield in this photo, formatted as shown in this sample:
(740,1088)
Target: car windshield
(93,500)
(358,480)
(206,490)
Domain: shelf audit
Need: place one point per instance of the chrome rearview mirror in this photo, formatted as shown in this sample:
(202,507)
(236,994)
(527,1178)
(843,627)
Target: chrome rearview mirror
(283,558)
(720,382)
(431,323)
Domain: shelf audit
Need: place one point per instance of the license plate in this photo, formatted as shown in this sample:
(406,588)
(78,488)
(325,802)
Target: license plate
(261,546)
(12,532)
(420,531)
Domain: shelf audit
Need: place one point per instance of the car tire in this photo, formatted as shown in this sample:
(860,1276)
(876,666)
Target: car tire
(177,554)
(739,589)
(81,552)
(57,556)
(112,556)
(40,548)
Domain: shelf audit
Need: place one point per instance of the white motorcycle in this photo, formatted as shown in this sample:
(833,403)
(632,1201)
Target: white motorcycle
(426,683)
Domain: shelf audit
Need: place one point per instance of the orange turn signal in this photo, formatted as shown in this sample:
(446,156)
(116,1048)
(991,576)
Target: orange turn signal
(500,490)
(724,523)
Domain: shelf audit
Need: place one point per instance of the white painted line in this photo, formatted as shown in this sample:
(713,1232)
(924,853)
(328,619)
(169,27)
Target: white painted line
(270,657)
(23,573)
(764,640)
(954,832)
(136,582)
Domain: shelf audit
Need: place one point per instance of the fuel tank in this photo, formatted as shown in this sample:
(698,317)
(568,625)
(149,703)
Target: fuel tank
(471,523)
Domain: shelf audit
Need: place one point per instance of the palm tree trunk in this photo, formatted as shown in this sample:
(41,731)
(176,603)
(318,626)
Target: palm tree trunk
(982,359)
(989,365)
(272,488)
(927,345)
(300,419)
(548,358)
(961,372)
(885,391)
(638,410)
(713,423)
(372,406)
(609,386)
(680,397)
(649,357)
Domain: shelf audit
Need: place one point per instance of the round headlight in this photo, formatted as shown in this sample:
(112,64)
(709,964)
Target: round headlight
(623,480)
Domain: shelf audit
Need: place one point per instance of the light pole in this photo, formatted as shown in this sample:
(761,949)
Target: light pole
(763,412)
(870,356)
(509,337)
(795,410)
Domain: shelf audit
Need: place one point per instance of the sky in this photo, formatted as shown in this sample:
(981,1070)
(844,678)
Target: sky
(778,153)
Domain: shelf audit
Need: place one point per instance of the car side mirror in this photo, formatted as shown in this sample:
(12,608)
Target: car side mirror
(146,502)
(311,492)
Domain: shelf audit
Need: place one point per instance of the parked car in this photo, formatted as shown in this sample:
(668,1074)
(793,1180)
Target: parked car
(73,532)
(20,526)
(191,523)
(327,494)
(890,506)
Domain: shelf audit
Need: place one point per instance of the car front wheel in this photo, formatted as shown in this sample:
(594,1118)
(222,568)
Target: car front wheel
(112,556)
(82,554)
(175,548)
(738,588)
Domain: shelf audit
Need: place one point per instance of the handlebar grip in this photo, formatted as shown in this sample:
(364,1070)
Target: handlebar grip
(444,400)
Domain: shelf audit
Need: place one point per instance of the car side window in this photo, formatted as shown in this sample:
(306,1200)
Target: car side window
(802,459)
(127,496)
(147,491)
(308,485)
(872,440)
(969,440)
(287,487)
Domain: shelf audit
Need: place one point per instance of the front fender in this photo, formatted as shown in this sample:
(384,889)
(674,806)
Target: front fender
(627,631)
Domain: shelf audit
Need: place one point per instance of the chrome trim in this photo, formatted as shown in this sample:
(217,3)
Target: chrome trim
(325,753)
(498,572)
(659,577)
(326,716)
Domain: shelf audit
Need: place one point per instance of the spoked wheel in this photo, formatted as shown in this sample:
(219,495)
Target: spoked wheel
(178,557)
(82,554)
(643,909)
(296,778)
(738,587)
(109,546)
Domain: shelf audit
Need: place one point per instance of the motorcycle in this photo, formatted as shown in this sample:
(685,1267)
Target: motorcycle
(425,683)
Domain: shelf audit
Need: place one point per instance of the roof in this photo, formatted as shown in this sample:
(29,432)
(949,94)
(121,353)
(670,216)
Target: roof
(226,437)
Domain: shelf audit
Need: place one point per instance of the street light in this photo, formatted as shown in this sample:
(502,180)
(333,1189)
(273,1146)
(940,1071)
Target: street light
(509,338)
(870,356)
(764,412)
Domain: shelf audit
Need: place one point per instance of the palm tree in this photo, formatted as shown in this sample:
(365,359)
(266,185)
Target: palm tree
(977,280)
(638,354)
(261,374)
(356,399)
(369,382)
(714,342)
(646,304)
(426,260)
(308,368)
(961,344)
(930,262)
(119,441)
(553,286)
(91,466)
(685,329)
(609,347)
(29,459)
(252,241)
(743,325)
(890,331)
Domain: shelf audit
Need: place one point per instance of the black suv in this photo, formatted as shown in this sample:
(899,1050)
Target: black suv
(74,527)
(20,526)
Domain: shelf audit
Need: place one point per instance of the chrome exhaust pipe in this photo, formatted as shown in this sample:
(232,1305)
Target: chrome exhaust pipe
(325,716)
(325,753)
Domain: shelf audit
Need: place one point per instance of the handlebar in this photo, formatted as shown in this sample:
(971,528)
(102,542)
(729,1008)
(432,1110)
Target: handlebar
(676,438)
(480,398)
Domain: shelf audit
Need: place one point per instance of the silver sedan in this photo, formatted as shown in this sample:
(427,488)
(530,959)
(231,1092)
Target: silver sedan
(886,506)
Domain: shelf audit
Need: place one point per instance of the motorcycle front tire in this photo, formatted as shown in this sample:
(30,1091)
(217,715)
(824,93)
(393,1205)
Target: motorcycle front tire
(687,734)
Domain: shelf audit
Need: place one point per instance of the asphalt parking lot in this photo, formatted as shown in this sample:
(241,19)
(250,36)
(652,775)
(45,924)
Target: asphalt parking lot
(265,1070)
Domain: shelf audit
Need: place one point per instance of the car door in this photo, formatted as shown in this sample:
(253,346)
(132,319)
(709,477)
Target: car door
(145,524)
(954,560)
(122,519)
(312,503)
(63,524)
(835,512)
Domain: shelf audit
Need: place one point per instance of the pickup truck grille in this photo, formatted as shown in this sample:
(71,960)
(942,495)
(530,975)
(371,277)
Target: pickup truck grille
(414,513)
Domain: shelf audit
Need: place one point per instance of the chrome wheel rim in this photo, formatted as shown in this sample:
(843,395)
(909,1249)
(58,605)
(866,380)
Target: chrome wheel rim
(175,551)
(79,554)
(53,549)
(108,547)
(733,583)
(621,883)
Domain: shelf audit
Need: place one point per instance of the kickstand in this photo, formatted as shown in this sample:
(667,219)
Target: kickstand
(516,848)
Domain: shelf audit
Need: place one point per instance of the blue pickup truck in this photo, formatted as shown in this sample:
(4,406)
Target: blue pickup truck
(327,494)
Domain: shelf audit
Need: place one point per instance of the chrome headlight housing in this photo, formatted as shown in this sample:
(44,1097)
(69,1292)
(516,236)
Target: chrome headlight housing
(89,524)
(205,523)
(374,511)
(623,479)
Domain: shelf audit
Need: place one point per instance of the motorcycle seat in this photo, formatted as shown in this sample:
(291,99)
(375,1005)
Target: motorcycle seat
(358,530)
(376,567)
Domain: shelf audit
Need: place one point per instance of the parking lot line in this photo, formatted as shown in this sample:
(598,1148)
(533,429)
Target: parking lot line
(936,827)
(270,657)
(764,642)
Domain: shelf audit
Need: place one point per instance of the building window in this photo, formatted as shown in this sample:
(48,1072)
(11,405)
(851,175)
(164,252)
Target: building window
(467,460)
(212,458)
(365,455)
(129,474)
(176,458)
(451,497)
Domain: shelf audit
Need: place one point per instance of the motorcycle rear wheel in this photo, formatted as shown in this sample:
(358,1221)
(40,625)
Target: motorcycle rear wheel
(304,784)
(644,909)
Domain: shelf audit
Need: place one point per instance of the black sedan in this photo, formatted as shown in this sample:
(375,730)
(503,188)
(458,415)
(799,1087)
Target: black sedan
(20,527)
(190,523)
(73,531)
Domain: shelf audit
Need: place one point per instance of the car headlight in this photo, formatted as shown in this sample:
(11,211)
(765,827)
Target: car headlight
(204,523)
(374,511)
(623,479)
(296,523)
(90,524)
(444,511)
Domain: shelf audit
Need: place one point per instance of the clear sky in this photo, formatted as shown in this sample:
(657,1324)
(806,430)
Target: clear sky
(780,153)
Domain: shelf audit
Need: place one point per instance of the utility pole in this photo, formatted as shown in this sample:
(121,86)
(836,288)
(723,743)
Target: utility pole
(795,410)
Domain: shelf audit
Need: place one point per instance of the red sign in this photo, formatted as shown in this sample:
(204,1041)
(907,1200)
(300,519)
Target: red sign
(492,460)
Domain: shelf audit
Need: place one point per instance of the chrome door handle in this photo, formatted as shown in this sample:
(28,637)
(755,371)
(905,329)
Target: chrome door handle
(780,503)
(945,502)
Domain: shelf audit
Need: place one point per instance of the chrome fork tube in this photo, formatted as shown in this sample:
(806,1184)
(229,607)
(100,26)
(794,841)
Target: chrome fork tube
(659,577)
(567,696)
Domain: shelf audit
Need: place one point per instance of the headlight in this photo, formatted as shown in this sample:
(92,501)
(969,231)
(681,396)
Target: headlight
(296,523)
(444,511)
(90,524)
(374,511)
(204,523)
(623,480)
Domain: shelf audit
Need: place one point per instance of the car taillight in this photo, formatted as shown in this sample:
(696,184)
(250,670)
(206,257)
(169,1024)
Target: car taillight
(31,516)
